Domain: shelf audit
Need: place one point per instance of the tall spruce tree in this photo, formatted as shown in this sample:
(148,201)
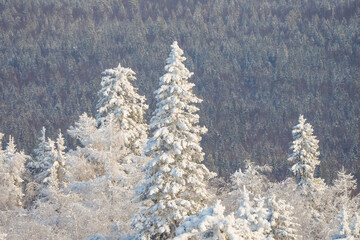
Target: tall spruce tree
(305,155)
(45,156)
(120,98)
(175,178)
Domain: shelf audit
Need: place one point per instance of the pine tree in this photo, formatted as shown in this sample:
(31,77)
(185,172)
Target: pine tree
(281,220)
(175,180)
(305,155)
(120,98)
(254,216)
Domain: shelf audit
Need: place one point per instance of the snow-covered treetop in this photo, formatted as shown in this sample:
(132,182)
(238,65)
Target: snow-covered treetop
(117,95)
(83,129)
(305,145)
(119,100)
(211,224)
(60,143)
(305,154)
(344,184)
(175,65)
(11,146)
(174,176)
(175,112)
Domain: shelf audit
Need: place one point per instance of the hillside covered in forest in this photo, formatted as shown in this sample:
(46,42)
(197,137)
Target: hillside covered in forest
(132,179)
(257,66)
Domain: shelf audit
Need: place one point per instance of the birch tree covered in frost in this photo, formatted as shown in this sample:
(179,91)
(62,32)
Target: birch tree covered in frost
(175,186)
(11,170)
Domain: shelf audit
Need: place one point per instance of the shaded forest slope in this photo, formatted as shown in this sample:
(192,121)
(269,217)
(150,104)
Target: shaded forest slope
(257,65)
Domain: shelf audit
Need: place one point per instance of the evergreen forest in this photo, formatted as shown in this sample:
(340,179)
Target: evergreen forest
(132,179)
(258,65)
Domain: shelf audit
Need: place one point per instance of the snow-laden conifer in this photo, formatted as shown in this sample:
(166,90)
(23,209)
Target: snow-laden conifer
(246,209)
(212,224)
(119,97)
(175,178)
(281,220)
(262,224)
(305,155)
(344,225)
(54,177)
(10,147)
(41,168)
(12,166)
(254,216)
(45,156)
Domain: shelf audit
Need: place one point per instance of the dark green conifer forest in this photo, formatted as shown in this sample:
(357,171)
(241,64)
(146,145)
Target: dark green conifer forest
(257,65)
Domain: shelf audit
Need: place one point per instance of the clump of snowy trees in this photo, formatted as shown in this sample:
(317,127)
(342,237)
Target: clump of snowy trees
(120,184)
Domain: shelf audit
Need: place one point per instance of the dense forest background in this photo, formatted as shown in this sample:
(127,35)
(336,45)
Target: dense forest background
(257,64)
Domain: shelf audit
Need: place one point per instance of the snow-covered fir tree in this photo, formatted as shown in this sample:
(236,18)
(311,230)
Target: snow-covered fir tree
(45,156)
(41,168)
(262,225)
(175,186)
(10,147)
(254,216)
(344,225)
(246,208)
(305,155)
(281,219)
(119,97)
(12,167)
(54,177)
